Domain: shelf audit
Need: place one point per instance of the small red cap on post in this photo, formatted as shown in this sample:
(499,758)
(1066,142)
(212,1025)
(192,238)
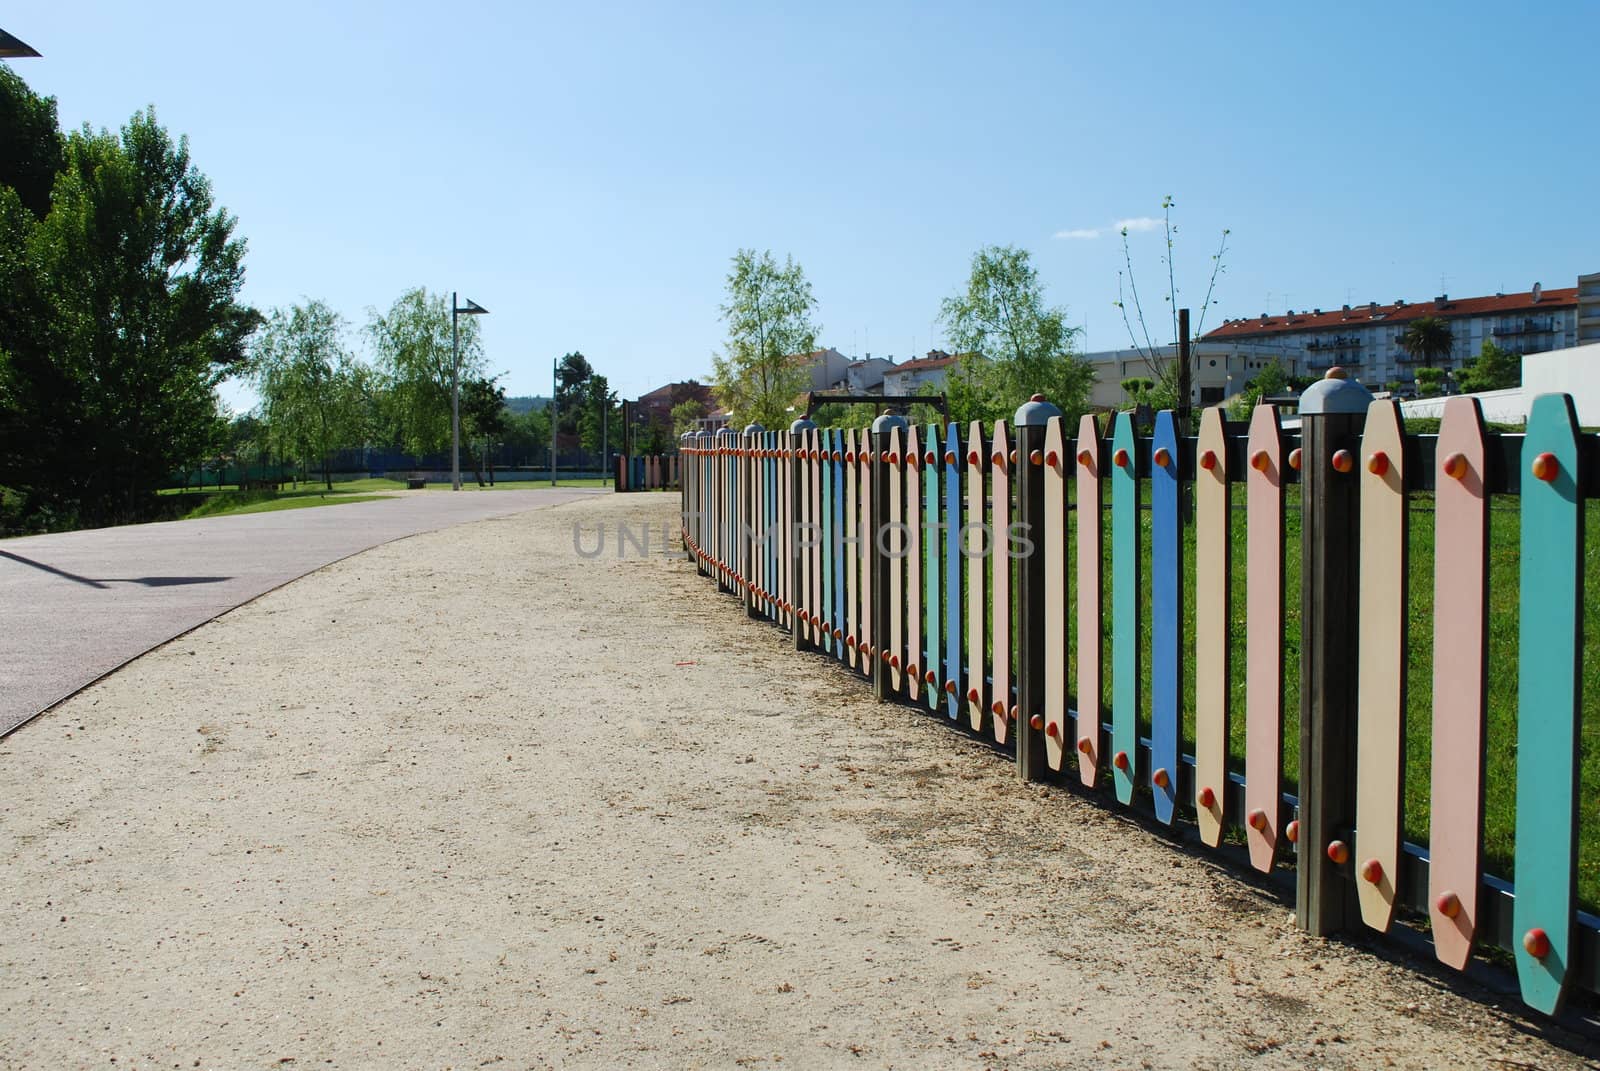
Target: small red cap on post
(1455,466)
(1546,467)
(1051,459)
(892,457)
(930,457)
(973,458)
(998,708)
(1448,904)
(1036,457)
(838,455)
(1258,820)
(1052,730)
(931,677)
(911,670)
(950,687)
(894,661)
(1085,458)
(1295,458)
(1013,457)
(1342,461)
(1084,745)
(911,461)
(1206,798)
(1121,459)
(1338,852)
(949,457)
(1161,779)
(1536,943)
(1261,461)
(1292,831)
(972,695)
(1378,463)
(1372,871)
(1036,722)
(998,458)
(1208,460)
(1120,761)
(1163,458)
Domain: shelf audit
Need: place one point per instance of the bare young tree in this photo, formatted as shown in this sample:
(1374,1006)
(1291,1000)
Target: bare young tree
(1165,369)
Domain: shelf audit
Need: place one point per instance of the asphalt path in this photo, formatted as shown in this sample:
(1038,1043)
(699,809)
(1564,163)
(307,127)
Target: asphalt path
(75,606)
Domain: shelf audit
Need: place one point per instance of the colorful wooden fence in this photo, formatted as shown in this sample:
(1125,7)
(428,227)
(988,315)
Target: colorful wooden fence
(651,472)
(974,574)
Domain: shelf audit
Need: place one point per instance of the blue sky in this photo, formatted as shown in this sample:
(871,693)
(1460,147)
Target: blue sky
(587,170)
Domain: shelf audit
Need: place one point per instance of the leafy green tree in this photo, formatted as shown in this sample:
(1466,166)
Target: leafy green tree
(412,345)
(484,421)
(32,150)
(310,387)
(1492,369)
(1270,382)
(685,414)
(768,312)
(1427,339)
(599,413)
(843,415)
(573,373)
(1429,381)
(128,288)
(1013,345)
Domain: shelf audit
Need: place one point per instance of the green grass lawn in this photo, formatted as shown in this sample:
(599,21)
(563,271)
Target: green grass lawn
(226,503)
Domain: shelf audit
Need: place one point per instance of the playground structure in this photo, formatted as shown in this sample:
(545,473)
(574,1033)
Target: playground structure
(964,571)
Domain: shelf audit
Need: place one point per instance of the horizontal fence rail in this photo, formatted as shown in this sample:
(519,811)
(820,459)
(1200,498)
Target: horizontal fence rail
(1218,630)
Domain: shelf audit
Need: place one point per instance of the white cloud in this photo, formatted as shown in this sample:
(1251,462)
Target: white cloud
(1137,224)
(1082,232)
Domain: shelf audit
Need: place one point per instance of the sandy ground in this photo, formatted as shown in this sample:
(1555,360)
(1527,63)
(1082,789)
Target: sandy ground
(469,800)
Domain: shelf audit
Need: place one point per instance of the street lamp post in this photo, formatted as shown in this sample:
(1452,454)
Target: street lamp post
(471,308)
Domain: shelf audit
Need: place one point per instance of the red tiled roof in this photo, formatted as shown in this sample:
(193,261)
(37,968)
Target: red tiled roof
(1361,315)
(921,363)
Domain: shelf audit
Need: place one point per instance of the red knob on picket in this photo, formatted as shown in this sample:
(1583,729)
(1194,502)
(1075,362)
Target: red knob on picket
(1295,458)
(1161,779)
(1378,463)
(930,677)
(838,455)
(1455,466)
(911,461)
(1292,831)
(1051,459)
(1536,943)
(972,695)
(894,661)
(998,708)
(949,457)
(1084,745)
(1261,461)
(1206,798)
(1120,761)
(973,458)
(1036,457)
(1546,467)
(930,457)
(1258,820)
(1208,460)
(997,458)
(1121,459)
(1342,461)
(1163,458)
(1036,722)
(1449,904)
(1052,730)
(1338,852)
(950,687)
(892,457)
(1372,871)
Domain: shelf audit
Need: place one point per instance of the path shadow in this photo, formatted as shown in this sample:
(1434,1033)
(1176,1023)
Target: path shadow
(146,581)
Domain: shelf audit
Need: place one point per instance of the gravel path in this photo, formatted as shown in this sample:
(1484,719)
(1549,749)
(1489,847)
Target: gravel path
(530,810)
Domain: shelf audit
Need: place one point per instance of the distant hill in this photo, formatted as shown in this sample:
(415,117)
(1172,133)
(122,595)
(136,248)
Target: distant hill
(522,403)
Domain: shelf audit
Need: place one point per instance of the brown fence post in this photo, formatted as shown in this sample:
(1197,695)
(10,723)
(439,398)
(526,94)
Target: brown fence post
(1332,414)
(750,515)
(1030,421)
(799,514)
(881,563)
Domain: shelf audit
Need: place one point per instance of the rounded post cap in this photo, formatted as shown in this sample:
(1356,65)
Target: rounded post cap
(888,422)
(753,429)
(803,424)
(1334,393)
(1034,413)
